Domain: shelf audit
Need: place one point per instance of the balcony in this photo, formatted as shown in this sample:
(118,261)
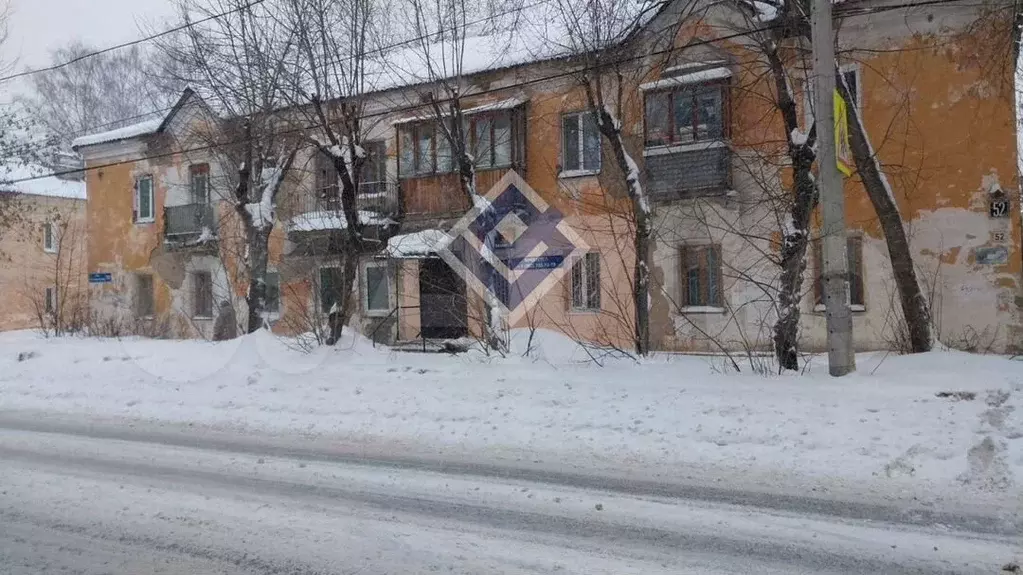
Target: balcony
(379,197)
(189,224)
(679,172)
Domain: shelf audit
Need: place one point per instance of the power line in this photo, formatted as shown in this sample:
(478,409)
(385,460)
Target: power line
(377,50)
(415,107)
(135,42)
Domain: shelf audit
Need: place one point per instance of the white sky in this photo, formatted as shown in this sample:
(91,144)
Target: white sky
(39,26)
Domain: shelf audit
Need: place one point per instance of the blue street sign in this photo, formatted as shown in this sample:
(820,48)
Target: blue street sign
(100,278)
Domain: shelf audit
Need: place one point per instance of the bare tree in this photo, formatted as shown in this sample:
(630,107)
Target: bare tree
(442,32)
(54,290)
(915,310)
(237,62)
(94,92)
(327,87)
(610,76)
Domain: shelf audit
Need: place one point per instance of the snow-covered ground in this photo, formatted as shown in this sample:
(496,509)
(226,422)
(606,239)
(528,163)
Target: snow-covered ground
(890,430)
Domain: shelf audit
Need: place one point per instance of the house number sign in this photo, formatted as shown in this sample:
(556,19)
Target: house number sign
(999,208)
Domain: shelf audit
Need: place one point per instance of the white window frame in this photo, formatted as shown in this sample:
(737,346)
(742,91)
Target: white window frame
(581,147)
(704,309)
(318,284)
(137,201)
(584,262)
(364,284)
(50,233)
(269,315)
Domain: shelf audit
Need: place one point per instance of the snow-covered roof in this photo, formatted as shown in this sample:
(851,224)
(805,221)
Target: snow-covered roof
(488,107)
(334,220)
(133,131)
(707,75)
(40,184)
(418,244)
(536,33)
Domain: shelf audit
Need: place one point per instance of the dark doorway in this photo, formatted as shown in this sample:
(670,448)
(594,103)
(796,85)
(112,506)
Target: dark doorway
(443,310)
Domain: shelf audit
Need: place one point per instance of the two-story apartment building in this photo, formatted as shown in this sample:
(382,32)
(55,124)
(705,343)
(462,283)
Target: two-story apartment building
(703,127)
(42,246)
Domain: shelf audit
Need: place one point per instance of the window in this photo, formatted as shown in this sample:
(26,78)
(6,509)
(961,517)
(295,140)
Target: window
(272,303)
(50,300)
(854,247)
(202,294)
(331,280)
(142,209)
(327,190)
(492,140)
(495,139)
(423,150)
(374,168)
(685,115)
(376,291)
(586,283)
(144,303)
(49,238)
(700,277)
(580,143)
(199,183)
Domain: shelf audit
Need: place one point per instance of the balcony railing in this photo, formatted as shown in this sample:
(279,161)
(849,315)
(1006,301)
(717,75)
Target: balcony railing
(379,197)
(182,223)
(687,171)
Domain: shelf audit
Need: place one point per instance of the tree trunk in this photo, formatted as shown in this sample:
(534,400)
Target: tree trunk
(915,309)
(338,319)
(795,237)
(610,128)
(255,298)
(641,289)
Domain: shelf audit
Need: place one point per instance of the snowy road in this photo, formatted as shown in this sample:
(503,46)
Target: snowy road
(81,502)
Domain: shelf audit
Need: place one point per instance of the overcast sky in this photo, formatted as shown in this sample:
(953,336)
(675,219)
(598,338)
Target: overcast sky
(38,26)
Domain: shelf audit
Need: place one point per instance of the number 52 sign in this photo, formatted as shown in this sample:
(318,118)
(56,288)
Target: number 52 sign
(999,208)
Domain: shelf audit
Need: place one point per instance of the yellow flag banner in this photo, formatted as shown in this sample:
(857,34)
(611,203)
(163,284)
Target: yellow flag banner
(843,151)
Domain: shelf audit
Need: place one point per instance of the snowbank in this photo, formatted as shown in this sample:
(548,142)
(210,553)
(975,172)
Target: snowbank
(938,426)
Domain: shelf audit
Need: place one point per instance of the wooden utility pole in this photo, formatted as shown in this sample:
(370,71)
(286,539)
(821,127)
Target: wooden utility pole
(841,359)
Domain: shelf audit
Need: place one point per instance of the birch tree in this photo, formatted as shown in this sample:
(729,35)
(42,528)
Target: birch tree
(236,62)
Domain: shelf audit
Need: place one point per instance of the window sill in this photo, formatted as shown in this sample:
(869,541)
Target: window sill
(584,311)
(377,313)
(202,317)
(50,250)
(819,308)
(681,148)
(578,173)
(144,222)
(702,309)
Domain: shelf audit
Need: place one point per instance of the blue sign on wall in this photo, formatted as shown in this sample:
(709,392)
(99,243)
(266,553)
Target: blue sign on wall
(100,278)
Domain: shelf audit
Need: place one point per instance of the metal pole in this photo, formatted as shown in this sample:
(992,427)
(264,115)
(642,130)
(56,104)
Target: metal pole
(841,359)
